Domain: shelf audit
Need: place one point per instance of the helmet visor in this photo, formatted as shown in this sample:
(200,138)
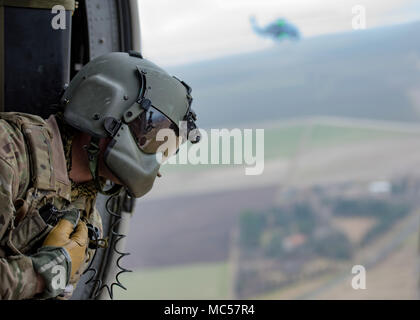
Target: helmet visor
(145,129)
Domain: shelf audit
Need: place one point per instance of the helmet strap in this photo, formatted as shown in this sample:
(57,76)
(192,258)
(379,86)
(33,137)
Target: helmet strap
(93,152)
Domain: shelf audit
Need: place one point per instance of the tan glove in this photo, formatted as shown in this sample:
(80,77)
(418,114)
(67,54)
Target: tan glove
(75,243)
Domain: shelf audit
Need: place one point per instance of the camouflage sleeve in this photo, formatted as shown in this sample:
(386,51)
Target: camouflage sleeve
(17,278)
(17,275)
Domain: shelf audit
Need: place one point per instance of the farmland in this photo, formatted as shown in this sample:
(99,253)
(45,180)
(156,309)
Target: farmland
(181,238)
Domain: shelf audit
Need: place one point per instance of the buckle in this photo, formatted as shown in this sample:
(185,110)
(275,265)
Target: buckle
(111,125)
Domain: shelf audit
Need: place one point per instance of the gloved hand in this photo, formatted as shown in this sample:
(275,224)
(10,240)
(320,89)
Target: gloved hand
(63,246)
(75,244)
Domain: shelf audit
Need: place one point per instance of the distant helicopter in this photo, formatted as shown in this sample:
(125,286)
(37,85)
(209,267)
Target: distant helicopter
(277,30)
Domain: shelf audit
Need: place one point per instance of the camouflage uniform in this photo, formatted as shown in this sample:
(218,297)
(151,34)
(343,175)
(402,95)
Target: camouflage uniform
(33,173)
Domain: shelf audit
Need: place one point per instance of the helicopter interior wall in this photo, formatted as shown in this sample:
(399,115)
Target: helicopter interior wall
(36,60)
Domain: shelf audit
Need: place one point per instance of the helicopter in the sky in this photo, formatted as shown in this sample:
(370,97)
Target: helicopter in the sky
(278,30)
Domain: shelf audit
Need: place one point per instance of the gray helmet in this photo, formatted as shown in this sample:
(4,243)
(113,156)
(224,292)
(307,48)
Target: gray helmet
(125,97)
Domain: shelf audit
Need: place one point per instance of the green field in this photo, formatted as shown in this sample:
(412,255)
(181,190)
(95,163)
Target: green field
(195,281)
(285,141)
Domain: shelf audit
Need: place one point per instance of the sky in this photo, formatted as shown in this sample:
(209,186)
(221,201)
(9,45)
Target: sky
(183,31)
